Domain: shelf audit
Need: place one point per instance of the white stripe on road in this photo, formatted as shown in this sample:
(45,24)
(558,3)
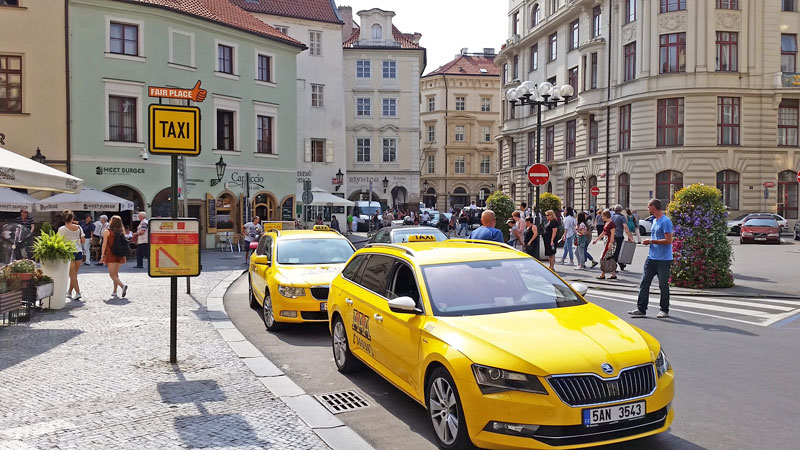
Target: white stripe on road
(758,301)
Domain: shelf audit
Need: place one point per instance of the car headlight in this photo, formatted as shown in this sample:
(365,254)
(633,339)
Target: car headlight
(491,380)
(662,364)
(291,292)
(746,233)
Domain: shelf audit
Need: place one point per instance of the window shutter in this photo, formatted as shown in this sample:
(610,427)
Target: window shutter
(307,155)
(328,151)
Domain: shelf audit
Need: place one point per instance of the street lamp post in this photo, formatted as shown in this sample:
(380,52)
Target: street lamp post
(539,95)
(39,157)
(583,183)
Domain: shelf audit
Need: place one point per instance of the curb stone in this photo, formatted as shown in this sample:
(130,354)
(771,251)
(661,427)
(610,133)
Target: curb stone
(328,427)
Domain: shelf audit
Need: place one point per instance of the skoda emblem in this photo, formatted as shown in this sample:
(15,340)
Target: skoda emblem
(607,368)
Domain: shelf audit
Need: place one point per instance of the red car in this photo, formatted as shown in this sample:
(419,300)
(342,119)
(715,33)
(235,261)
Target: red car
(760,230)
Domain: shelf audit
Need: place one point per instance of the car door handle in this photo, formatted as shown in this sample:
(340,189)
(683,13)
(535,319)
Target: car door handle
(348,301)
(378,317)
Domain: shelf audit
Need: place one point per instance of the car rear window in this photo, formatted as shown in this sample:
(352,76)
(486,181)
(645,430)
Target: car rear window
(761,223)
(314,251)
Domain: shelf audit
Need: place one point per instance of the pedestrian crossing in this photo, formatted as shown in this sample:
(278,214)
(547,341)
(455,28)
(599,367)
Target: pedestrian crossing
(755,311)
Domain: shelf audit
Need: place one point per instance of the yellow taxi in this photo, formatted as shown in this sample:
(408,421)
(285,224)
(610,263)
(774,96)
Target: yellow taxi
(290,273)
(502,352)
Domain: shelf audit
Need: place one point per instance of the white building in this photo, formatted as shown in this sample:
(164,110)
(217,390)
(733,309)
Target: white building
(382,68)
(320,93)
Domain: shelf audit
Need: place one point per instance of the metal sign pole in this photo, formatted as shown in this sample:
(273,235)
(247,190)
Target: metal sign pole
(173,281)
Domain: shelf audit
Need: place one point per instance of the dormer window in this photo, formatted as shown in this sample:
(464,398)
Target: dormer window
(377,32)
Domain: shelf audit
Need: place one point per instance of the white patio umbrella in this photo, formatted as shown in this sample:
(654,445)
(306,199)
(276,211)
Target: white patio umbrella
(325,198)
(87,199)
(13,201)
(17,171)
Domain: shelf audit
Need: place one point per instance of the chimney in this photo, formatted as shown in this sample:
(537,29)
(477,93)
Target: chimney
(346,13)
(488,51)
(464,51)
(417,37)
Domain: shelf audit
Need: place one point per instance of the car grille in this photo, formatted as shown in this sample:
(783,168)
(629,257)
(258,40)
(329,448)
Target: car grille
(581,390)
(757,235)
(320,292)
(314,315)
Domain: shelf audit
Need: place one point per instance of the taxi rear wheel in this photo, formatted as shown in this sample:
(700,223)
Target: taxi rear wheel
(252,296)
(268,315)
(445,411)
(346,362)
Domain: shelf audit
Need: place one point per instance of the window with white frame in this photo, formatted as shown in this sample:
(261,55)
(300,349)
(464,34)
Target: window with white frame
(363,150)
(363,68)
(318,95)
(225,59)
(431,103)
(264,135)
(11,81)
(459,133)
(315,43)
(122,119)
(363,107)
(124,38)
(486,104)
(431,133)
(486,133)
(788,122)
(377,32)
(318,150)
(282,28)
(181,48)
(264,68)
(485,164)
(226,129)
(459,164)
(431,164)
(461,103)
(389,150)
(389,107)
(390,69)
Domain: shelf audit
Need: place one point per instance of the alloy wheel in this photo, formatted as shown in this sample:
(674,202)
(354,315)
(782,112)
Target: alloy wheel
(443,410)
(269,318)
(339,344)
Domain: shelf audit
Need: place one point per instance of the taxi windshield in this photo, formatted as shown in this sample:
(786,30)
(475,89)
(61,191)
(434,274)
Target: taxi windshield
(314,251)
(401,236)
(489,287)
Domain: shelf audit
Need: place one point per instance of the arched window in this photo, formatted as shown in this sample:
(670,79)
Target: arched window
(264,206)
(728,184)
(570,198)
(161,206)
(459,199)
(377,32)
(787,194)
(624,197)
(536,15)
(128,193)
(430,198)
(226,212)
(668,183)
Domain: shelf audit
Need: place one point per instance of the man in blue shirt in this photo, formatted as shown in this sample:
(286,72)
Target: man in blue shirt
(659,261)
(487,231)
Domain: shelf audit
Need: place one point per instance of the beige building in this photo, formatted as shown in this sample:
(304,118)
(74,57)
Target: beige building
(33,81)
(460,104)
(670,93)
(382,68)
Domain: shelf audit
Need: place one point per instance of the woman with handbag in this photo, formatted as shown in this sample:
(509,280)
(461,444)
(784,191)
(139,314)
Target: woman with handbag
(607,262)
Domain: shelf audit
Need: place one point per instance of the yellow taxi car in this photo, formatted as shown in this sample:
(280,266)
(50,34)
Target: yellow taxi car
(290,273)
(502,352)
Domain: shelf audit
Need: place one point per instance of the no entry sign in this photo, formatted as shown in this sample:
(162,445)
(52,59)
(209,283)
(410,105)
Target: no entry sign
(595,191)
(538,174)
(798,176)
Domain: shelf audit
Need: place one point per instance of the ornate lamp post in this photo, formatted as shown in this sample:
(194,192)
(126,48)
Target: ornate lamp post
(339,179)
(220,171)
(385,184)
(583,183)
(39,157)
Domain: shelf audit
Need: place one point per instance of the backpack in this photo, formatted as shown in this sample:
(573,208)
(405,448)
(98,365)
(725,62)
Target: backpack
(120,245)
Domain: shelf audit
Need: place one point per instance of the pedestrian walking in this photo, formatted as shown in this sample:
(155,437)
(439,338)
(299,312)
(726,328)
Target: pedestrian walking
(530,237)
(607,262)
(637,230)
(453,223)
(142,244)
(252,232)
(632,226)
(73,232)
(335,223)
(463,222)
(88,230)
(26,228)
(100,227)
(549,236)
(599,223)
(584,237)
(658,262)
(570,230)
(515,238)
(113,254)
(620,230)
(487,231)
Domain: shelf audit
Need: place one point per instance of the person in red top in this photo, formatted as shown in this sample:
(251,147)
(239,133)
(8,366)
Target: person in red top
(608,249)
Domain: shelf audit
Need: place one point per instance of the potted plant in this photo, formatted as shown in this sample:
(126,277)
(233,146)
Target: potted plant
(10,293)
(55,253)
(22,269)
(43,283)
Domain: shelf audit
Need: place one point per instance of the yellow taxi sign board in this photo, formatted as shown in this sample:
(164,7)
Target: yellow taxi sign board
(174,247)
(174,130)
(321,228)
(272,225)
(422,238)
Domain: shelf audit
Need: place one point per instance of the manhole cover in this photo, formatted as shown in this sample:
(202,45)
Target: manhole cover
(344,401)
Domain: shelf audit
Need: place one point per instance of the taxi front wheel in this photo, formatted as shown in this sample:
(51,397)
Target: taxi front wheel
(446,413)
(346,362)
(268,314)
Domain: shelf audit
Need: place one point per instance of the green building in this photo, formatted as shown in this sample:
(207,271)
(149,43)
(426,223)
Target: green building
(120,48)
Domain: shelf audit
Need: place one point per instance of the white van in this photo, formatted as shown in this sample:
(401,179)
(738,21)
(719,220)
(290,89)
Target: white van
(364,211)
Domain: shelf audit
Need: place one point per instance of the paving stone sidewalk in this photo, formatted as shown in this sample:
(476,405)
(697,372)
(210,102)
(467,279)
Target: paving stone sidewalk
(95,375)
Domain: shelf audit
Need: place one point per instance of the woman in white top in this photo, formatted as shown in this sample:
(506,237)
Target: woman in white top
(73,233)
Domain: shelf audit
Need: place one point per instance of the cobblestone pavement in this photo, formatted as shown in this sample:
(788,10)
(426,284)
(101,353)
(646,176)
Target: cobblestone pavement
(95,375)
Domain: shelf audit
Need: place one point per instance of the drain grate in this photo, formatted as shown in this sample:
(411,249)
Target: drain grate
(344,401)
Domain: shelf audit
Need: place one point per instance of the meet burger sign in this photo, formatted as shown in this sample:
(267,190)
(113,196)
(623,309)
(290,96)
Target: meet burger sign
(95,206)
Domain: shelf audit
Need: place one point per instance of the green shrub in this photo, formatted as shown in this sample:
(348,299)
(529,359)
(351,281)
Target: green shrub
(700,247)
(503,206)
(53,247)
(46,228)
(548,201)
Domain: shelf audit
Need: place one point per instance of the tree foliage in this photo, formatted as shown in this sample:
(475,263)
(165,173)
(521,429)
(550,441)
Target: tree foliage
(502,206)
(548,201)
(701,251)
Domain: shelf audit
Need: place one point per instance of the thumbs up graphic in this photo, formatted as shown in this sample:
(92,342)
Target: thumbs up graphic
(198,95)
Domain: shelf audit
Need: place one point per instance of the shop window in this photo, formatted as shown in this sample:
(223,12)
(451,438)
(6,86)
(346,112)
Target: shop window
(264,206)
(226,212)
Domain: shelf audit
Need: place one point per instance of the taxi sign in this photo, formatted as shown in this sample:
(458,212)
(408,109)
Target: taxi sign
(174,130)
(421,238)
(174,247)
(272,226)
(322,228)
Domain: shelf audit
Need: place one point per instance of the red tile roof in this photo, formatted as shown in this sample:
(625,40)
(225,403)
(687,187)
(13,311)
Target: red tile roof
(223,12)
(316,10)
(405,40)
(468,65)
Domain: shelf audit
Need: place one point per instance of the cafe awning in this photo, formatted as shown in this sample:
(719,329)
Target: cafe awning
(17,171)
(87,199)
(325,198)
(13,201)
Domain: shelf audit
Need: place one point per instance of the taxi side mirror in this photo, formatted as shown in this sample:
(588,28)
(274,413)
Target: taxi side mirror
(403,305)
(262,260)
(581,288)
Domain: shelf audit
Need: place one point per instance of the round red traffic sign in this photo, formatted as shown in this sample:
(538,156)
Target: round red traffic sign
(595,191)
(798,176)
(538,174)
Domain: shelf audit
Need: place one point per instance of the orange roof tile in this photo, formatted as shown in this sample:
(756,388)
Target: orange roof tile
(316,10)
(468,65)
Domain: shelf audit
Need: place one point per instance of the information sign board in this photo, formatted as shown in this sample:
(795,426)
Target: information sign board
(174,247)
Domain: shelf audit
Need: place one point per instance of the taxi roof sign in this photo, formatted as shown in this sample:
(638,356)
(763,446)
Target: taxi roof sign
(174,130)
(421,238)
(322,228)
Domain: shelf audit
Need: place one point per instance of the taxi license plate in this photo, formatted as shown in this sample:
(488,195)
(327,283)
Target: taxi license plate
(614,413)
(323,306)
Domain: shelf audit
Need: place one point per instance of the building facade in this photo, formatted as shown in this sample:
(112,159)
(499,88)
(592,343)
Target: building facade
(249,116)
(460,116)
(33,81)
(321,150)
(670,93)
(382,68)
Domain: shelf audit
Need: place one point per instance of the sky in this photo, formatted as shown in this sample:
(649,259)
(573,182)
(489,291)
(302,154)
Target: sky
(447,26)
